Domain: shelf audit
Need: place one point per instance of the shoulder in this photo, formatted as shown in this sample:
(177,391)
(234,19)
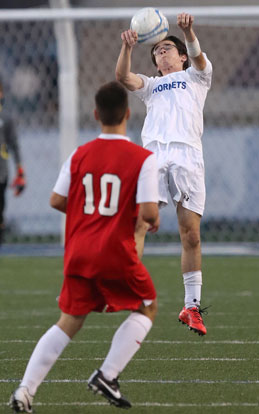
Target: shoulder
(139,152)
(203,77)
(148,82)
(146,79)
(77,156)
(82,149)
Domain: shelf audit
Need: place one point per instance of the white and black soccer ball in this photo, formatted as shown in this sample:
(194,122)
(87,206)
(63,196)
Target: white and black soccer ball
(150,24)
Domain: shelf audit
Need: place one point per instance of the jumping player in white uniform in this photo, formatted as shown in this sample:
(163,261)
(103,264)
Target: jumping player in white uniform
(172,130)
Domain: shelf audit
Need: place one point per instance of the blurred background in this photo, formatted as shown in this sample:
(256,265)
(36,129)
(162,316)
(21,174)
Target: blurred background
(35,92)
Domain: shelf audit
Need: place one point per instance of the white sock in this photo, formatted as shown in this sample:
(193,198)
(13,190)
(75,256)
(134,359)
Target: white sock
(125,343)
(192,284)
(45,354)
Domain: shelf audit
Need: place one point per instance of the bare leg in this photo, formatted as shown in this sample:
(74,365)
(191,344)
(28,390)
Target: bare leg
(70,324)
(189,229)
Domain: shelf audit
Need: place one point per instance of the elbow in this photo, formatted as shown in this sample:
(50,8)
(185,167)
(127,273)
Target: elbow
(58,202)
(120,78)
(150,213)
(53,202)
(117,76)
(150,218)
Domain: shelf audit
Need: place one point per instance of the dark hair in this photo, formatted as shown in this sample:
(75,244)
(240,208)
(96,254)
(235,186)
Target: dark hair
(111,103)
(180,47)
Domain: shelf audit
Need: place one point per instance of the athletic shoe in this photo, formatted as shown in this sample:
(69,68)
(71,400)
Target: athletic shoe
(108,389)
(21,400)
(192,317)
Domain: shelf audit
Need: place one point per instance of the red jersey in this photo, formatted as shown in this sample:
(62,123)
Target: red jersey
(101,208)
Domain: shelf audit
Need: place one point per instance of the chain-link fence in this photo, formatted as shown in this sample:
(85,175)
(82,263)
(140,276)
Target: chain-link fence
(29,69)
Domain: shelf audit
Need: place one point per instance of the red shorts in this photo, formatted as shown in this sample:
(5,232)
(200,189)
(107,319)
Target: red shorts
(80,295)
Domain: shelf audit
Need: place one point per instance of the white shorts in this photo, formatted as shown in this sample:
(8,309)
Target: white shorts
(181,174)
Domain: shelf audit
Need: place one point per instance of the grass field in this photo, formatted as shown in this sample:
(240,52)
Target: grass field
(176,371)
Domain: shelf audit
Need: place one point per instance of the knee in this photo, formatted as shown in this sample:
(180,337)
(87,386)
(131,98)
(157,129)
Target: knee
(78,323)
(153,308)
(150,311)
(70,324)
(190,239)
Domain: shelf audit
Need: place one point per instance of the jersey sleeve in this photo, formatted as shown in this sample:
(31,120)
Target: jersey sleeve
(147,187)
(202,76)
(63,182)
(144,92)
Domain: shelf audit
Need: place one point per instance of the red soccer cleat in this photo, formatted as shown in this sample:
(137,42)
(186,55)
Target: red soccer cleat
(192,317)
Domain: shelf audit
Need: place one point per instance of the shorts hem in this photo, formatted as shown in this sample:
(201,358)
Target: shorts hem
(189,207)
(79,312)
(194,209)
(162,204)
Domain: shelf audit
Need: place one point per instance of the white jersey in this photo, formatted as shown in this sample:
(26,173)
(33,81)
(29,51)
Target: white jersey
(174,105)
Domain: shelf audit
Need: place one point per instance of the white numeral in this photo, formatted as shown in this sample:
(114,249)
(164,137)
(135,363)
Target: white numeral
(106,179)
(89,194)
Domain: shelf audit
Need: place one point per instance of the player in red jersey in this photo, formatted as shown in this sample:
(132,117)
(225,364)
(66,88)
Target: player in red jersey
(103,187)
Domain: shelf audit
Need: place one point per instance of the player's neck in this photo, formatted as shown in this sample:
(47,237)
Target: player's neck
(168,71)
(114,129)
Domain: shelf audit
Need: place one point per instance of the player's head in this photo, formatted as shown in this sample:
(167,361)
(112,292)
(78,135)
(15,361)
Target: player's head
(111,104)
(170,55)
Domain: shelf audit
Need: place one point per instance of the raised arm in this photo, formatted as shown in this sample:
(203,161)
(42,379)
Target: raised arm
(123,73)
(185,22)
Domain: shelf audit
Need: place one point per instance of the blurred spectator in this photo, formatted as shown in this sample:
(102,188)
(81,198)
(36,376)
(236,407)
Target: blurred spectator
(8,143)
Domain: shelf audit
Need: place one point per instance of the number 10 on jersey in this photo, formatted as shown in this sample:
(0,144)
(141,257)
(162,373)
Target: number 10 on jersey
(106,179)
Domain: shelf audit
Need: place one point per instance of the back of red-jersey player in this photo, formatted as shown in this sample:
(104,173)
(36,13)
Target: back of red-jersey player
(103,188)
(101,207)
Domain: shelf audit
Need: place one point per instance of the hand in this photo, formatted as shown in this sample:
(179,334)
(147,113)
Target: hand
(153,228)
(19,183)
(185,21)
(129,38)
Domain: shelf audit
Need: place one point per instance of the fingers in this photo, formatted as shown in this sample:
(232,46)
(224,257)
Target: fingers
(185,20)
(18,190)
(18,185)
(153,228)
(129,37)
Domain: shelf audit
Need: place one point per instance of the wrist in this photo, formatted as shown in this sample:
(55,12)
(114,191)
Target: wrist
(128,49)
(193,48)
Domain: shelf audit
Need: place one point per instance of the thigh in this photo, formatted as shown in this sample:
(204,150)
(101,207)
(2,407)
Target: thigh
(80,296)
(70,324)
(128,292)
(160,150)
(186,177)
(149,309)
(188,220)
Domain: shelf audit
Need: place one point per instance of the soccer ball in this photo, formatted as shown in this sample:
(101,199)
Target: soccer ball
(150,24)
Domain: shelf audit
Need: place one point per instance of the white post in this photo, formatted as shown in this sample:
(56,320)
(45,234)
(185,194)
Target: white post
(68,88)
